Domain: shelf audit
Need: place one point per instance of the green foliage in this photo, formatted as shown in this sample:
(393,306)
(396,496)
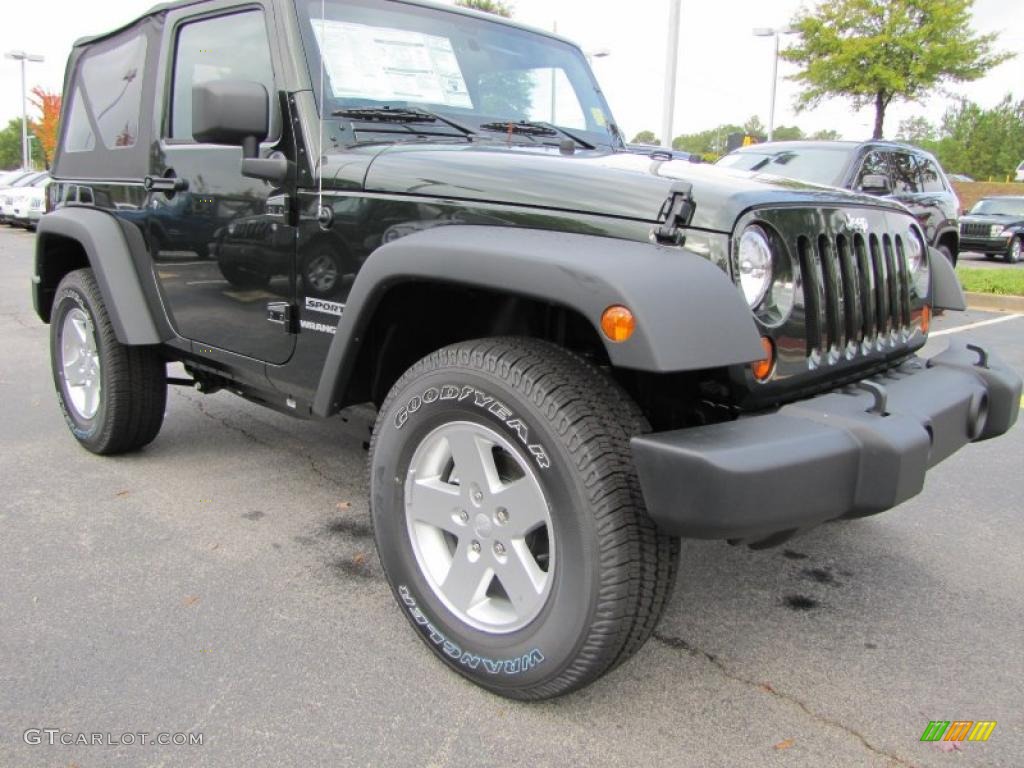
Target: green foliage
(916,130)
(754,127)
(10,147)
(646,137)
(1002,281)
(711,144)
(788,133)
(980,143)
(874,51)
(496,7)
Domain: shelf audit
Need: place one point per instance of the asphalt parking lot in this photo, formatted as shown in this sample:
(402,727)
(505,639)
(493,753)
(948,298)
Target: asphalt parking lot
(223,582)
(979,260)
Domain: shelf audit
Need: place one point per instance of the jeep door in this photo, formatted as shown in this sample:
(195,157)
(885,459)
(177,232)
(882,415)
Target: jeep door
(224,252)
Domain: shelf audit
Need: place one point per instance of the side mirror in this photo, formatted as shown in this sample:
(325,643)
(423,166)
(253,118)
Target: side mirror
(231,112)
(236,113)
(875,184)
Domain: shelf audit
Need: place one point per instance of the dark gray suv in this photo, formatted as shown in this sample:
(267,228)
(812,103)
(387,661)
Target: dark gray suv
(883,168)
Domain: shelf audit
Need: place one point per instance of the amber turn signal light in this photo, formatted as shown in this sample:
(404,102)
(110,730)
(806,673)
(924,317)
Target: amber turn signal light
(762,369)
(618,323)
(926,319)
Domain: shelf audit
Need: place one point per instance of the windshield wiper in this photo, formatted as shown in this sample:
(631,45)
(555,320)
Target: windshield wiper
(404,115)
(534,128)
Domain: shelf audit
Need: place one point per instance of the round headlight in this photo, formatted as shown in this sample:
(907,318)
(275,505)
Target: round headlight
(755,265)
(917,262)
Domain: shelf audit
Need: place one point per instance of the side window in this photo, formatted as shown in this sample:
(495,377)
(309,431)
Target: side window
(874,165)
(232,47)
(78,136)
(904,173)
(113,80)
(110,85)
(931,179)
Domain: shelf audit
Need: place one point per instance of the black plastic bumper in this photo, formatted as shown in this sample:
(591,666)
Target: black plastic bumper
(849,453)
(985,244)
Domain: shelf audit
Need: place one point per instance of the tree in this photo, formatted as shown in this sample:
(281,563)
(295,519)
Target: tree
(787,133)
(916,130)
(10,146)
(45,129)
(496,7)
(754,127)
(981,143)
(825,135)
(646,137)
(874,51)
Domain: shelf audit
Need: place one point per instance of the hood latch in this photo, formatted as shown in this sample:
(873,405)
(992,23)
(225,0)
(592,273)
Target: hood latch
(675,214)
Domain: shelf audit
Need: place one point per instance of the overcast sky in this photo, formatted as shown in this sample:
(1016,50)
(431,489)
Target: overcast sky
(724,72)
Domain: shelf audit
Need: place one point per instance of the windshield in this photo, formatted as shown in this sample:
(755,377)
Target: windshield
(817,166)
(472,70)
(1010,206)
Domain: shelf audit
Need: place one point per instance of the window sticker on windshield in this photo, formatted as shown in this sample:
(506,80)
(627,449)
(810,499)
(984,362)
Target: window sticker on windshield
(598,115)
(365,62)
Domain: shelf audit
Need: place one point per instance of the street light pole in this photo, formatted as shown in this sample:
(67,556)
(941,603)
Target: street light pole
(776,33)
(671,66)
(23,57)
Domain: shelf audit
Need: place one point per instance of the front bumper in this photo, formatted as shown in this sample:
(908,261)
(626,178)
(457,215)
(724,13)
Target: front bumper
(985,244)
(848,453)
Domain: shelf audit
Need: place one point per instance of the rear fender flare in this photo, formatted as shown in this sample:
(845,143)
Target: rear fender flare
(107,248)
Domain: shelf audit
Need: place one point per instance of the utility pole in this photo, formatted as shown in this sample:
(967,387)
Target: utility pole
(671,65)
(23,57)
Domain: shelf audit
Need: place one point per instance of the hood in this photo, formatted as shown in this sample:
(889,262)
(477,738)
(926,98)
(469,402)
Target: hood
(601,183)
(1006,219)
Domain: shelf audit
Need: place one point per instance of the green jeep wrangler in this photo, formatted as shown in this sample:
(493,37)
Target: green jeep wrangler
(576,354)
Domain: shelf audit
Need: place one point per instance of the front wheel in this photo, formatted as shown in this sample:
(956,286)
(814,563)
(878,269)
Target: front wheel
(509,519)
(1013,254)
(112,395)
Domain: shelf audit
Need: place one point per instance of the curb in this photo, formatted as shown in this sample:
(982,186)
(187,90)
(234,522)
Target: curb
(994,302)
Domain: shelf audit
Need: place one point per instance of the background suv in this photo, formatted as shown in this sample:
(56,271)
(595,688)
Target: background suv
(887,169)
(995,226)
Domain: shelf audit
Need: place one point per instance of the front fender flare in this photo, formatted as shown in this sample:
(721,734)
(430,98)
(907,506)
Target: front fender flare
(946,290)
(110,257)
(689,314)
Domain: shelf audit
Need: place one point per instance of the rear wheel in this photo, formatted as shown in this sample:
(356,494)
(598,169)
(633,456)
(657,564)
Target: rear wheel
(509,519)
(113,396)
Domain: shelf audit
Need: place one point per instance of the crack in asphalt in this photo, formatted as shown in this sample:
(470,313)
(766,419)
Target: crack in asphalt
(677,643)
(224,421)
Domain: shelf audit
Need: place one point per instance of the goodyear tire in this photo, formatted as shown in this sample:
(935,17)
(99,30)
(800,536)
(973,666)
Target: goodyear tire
(509,520)
(113,396)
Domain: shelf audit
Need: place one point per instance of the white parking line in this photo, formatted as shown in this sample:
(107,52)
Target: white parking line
(978,324)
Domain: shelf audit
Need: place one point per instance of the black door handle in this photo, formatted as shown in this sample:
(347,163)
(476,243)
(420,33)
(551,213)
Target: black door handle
(164,184)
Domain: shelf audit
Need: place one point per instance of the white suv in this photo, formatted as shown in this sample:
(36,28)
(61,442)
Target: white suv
(29,203)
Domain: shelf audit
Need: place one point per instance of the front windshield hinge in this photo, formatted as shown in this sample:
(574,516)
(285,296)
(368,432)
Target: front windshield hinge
(675,214)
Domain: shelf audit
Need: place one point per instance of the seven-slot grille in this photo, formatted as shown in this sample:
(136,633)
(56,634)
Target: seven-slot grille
(973,228)
(856,290)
